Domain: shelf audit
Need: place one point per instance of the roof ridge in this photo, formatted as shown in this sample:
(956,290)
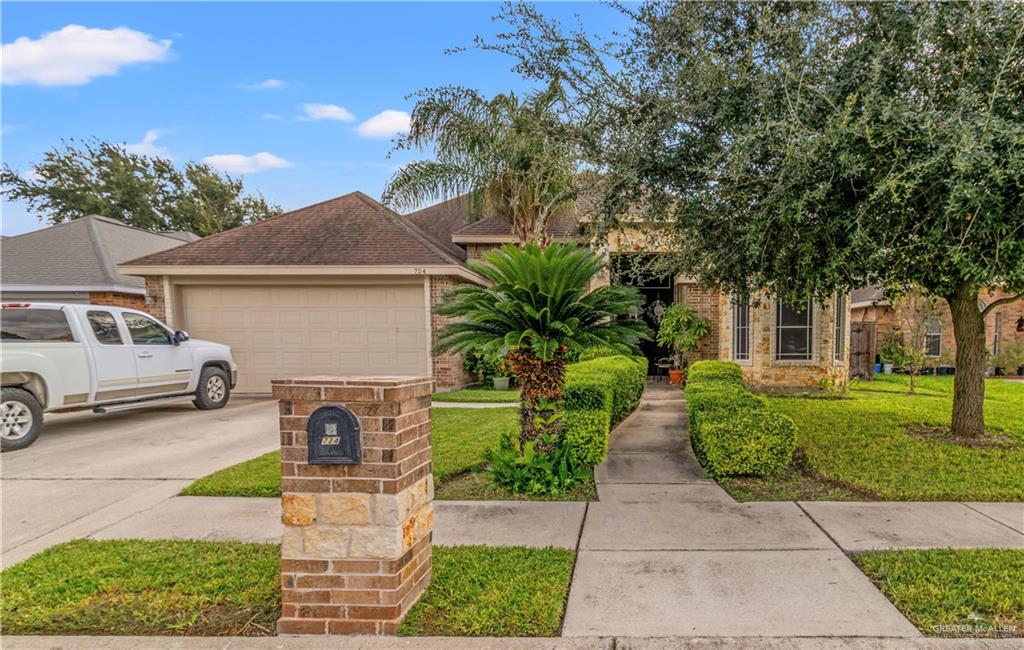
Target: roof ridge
(95,238)
(411,228)
(121,224)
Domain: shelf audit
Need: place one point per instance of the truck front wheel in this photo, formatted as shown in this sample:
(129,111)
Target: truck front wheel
(213,389)
(21,419)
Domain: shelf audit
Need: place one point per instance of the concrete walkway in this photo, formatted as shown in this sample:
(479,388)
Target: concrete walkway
(686,560)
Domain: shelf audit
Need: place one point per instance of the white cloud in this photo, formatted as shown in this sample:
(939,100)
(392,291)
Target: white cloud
(270,116)
(75,55)
(236,163)
(384,125)
(325,112)
(148,146)
(266,84)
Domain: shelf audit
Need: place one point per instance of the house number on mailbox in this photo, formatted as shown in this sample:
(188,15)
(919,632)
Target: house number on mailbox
(333,437)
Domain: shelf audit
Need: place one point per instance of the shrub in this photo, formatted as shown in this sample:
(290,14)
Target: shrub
(624,376)
(733,431)
(586,434)
(535,472)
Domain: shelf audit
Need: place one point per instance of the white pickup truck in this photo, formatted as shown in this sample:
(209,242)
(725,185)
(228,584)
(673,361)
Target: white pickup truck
(62,357)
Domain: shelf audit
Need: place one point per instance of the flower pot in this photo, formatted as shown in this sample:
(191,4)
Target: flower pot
(500,383)
(1020,371)
(675,377)
(887,368)
(878,368)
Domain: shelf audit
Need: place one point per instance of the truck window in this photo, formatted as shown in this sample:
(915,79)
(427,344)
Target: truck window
(145,330)
(34,325)
(104,327)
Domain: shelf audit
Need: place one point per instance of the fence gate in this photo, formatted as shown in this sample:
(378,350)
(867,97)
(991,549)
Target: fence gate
(862,350)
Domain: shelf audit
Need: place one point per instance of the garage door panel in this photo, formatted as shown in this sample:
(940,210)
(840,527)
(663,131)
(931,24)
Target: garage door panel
(277,331)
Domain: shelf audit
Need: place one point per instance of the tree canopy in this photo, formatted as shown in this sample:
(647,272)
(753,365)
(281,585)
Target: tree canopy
(78,179)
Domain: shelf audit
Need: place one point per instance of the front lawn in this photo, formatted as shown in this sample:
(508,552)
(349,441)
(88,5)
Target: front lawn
(135,587)
(179,588)
(976,592)
(480,394)
(460,438)
(879,442)
(488,591)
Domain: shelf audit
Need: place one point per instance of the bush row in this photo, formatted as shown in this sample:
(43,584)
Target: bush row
(733,431)
(597,395)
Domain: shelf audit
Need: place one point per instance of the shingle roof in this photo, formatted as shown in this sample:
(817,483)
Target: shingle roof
(351,230)
(83,252)
(867,294)
(441,220)
(563,226)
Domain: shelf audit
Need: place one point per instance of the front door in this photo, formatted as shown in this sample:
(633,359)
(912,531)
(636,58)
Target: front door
(162,366)
(113,358)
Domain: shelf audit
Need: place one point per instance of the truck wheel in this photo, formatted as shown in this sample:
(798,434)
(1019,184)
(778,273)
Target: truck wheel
(21,419)
(213,389)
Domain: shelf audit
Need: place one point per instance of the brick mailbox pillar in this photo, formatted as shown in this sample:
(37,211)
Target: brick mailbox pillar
(355,553)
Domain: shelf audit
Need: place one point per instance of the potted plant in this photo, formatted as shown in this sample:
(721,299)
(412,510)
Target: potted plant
(893,352)
(681,329)
(502,372)
(1011,359)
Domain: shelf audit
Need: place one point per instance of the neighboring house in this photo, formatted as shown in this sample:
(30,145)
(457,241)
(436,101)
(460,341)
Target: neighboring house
(873,318)
(343,287)
(349,287)
(77,262)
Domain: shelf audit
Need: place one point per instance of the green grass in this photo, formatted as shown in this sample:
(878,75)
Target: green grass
(861,444)
(460,438)
(478,394)
(477,486)
(488,591)
(977,592)
(128,587)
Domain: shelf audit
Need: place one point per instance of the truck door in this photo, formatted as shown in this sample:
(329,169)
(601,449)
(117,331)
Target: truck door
(162,367)
(116,377)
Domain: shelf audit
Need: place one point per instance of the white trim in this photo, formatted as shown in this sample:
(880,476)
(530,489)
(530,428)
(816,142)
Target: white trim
(310,269)
(168,301)
(430,327)
(812,359)
(87,288)
(501,239)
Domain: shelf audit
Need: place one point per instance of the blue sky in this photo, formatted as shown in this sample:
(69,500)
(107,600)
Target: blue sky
(233,80)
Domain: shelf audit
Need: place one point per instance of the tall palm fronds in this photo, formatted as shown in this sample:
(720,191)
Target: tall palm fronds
(503,152)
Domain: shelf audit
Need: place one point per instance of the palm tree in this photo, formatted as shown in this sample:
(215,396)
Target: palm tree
(503,152)
(538,307)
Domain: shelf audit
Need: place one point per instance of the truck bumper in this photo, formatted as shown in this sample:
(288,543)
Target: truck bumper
(234,378)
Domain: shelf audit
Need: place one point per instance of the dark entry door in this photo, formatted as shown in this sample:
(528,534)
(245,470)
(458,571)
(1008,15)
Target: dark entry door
(862,350)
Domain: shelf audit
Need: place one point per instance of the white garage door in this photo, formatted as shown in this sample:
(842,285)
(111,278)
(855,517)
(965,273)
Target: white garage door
(280,331)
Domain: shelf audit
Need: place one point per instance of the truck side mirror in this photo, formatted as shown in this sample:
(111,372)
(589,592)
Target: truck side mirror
(180,337)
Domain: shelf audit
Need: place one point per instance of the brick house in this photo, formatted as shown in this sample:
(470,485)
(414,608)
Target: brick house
(873,318)
(77,262)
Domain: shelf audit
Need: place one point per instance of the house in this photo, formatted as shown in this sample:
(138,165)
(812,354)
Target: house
(873,318)
(77,261)
(348,286)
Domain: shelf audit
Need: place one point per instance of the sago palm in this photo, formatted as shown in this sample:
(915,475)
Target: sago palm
(503,152)
(538,307)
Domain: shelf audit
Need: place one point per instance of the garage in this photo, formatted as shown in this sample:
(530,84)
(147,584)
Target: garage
(288,331)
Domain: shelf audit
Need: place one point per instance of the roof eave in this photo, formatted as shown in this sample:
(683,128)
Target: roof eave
(300,269)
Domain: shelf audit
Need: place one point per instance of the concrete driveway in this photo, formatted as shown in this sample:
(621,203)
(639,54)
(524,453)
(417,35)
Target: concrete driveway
(88,471)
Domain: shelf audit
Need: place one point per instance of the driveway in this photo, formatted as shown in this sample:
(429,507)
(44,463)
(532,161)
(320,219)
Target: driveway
(88,471)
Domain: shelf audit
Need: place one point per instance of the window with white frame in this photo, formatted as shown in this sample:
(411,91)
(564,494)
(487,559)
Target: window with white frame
(997,333)
(741,330)
(840,338)
(794,329)
(933,337)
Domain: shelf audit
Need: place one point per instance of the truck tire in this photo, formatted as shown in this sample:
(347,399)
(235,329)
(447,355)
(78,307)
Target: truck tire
(21,419)
(213,389)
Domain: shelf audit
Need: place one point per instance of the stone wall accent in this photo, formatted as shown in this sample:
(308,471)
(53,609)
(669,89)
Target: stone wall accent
(115,299)
(156,301)
(448,371)
(764,371)
(356,547)
(705,303)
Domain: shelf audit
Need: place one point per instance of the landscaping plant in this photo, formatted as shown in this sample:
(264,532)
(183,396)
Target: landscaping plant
(681,329)
(538,307)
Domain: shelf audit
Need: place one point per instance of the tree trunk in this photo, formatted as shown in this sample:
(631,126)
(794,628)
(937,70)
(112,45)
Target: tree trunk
(539,381)
(969,380)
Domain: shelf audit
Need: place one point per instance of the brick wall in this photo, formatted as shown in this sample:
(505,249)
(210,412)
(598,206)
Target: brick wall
(448,370)
(476,251)
(155,299)
(705,303)
(113,299)
(356,542)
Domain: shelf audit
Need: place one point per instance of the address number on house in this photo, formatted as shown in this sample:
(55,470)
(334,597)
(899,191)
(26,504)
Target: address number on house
(333,437)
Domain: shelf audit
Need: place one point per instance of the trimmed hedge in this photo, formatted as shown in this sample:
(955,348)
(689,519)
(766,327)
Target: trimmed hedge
(598,394)
(733,431)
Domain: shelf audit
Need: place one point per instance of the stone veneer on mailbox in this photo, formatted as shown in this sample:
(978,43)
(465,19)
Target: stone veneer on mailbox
(356,547)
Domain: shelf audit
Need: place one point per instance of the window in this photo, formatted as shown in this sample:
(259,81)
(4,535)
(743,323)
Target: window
(793,329)
(741,330)
(104,327)
(840,338)
(145,330)
(933,337)
(997,333)
(24,325)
